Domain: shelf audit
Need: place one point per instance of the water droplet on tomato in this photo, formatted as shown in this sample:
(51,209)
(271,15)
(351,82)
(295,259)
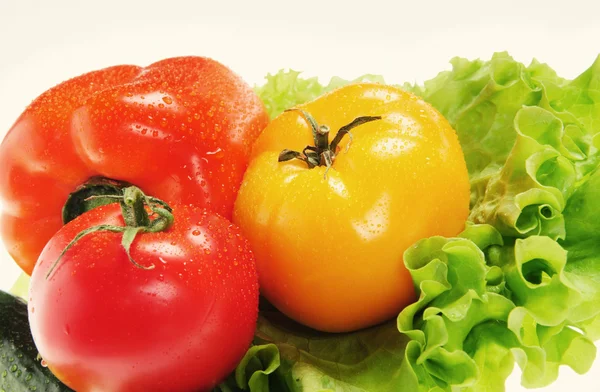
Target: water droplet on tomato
(196,232)
(44,363)
(168,100)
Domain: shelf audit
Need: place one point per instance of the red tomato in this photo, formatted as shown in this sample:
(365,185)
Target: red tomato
(103,324)
(180,129)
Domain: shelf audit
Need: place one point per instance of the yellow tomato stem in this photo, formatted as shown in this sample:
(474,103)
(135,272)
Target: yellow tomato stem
(321,136)
(345,130)
(322,153)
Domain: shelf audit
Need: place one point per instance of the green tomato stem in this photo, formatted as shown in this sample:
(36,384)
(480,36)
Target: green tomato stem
(142,214)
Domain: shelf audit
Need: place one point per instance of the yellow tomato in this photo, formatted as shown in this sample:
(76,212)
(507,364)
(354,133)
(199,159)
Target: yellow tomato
(329,239)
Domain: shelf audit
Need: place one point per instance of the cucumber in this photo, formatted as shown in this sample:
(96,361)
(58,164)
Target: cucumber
(20,368)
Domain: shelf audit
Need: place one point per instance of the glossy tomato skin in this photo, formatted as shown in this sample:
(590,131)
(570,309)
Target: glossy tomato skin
(329,248)
(103,324)
(180,129)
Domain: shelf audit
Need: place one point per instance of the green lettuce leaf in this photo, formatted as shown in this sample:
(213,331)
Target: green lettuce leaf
(461,311)
(288,357)
(480,99)
(520,285)
(583,245)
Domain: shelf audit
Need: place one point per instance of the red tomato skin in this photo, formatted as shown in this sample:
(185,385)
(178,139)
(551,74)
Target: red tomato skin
(181,129)
(103,324)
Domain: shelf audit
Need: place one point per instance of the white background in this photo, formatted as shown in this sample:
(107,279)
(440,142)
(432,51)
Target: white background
(45,42)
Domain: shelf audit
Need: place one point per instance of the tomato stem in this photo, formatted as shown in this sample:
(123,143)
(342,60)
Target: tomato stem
(133,208)
(322,153)
(141,213)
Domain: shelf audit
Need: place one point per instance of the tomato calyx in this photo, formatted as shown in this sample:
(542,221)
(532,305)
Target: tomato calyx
(322,153)
(141,213)
(95,192)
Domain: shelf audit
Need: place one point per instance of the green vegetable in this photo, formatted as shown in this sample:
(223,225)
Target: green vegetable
(295,358)
(20,369)
(521,284)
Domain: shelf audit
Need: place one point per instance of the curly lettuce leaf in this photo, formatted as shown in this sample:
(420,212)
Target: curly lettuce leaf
(289,357)
(253,371)
(526,197)
(521,284)
(480,99)
(582,242)
(461,312)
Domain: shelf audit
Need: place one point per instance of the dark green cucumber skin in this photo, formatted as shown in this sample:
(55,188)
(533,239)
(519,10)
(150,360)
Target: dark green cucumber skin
(20,370)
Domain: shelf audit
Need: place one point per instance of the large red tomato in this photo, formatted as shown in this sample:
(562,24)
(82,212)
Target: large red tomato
(180,320)
(180,129)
